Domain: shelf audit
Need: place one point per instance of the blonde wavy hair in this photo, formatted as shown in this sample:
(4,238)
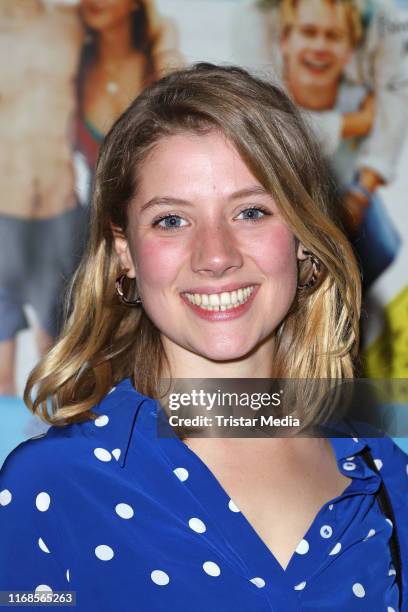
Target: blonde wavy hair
(103,341)
(351,11)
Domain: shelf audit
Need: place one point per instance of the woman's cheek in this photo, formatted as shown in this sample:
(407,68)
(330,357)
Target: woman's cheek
(274,253)
(158,261)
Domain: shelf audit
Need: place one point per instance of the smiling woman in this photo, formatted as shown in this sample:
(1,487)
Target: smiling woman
(213,218)
(213,248)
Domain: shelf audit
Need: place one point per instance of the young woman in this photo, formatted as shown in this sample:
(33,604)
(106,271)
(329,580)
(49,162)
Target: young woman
(212,217)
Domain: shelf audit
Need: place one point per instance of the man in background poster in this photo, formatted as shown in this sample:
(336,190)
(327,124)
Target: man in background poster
(318,38)
(378,62)
(41,224)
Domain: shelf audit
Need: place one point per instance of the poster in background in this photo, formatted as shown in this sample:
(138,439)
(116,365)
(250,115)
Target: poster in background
(345,66)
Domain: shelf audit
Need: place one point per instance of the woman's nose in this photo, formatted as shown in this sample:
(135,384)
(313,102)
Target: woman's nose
(215,250)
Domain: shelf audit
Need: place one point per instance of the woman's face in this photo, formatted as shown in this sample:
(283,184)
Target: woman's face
(203,231)
(105,14)
(317,46)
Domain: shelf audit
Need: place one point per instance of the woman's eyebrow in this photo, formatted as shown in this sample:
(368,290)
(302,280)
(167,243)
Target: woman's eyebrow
(170,201)
(249,191)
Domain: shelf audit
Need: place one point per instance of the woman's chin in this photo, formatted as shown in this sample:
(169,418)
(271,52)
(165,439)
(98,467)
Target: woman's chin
(224,351)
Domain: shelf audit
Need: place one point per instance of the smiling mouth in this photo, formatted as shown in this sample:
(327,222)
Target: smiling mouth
(227,300)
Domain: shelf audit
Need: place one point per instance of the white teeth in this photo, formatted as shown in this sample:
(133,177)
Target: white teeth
(225,298)
(220,301)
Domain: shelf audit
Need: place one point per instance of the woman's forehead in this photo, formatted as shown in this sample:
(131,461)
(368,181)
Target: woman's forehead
(194,165)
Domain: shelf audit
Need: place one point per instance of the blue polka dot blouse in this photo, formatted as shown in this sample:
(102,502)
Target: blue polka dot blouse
(135,522)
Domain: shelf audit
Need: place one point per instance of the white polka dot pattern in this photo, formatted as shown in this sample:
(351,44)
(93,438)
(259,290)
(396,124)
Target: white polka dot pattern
(378,463)
(358,590)
(145,514)
(233,506)
(303,547)
(336,549)
(124,511)
(42,501)
(43,588)
(300,586)
(197,525)
(181,473)
(211,568)
(104,552)
(259,582)
(370,534)
(159,577)
(102,454)
(43,545)
(101,420)
(5,497)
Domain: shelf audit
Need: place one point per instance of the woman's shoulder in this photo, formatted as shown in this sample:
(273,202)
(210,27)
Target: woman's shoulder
(389,451)
(61,450)
(392,463)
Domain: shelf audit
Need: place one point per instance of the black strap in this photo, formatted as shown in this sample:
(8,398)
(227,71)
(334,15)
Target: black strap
(386,508)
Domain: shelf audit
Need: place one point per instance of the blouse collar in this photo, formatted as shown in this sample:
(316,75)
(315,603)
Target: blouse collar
(123,406)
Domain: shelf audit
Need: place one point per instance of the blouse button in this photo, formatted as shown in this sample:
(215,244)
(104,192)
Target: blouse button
(326,531)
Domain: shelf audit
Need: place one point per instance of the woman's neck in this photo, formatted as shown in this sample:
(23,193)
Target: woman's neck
(115,44)
(185,364)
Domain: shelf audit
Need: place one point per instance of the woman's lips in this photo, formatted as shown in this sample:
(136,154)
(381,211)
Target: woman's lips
(222,315)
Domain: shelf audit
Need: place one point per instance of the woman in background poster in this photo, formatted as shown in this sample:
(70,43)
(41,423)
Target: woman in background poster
(41,224)
(128,45)
(318,39)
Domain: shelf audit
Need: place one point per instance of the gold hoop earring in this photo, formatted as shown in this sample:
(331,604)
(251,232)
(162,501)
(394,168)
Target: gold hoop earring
(316,271)
(121,293)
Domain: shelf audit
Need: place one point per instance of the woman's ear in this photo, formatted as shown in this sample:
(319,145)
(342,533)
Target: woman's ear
(302,252)
(121,246)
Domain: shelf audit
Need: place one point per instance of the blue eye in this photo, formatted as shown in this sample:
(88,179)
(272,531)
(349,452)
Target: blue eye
(252,213)
(168,222)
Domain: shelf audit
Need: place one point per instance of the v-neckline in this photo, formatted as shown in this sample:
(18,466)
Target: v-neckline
(249,539)
(193,456)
